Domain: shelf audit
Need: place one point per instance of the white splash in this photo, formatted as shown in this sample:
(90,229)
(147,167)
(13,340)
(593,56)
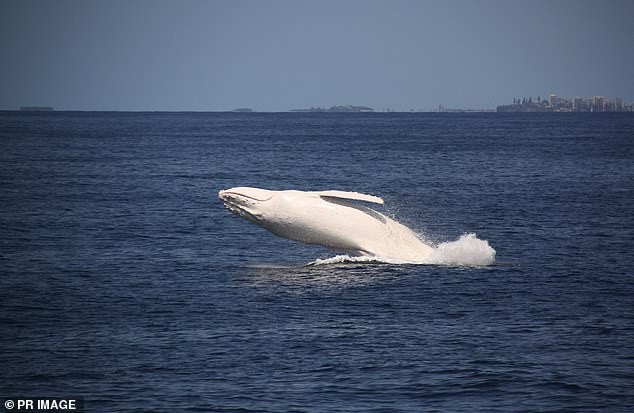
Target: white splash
(468,250)
(339,259)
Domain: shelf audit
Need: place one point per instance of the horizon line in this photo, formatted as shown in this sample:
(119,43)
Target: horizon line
(290,111)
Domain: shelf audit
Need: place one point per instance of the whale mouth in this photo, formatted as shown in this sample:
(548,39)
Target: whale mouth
(254,194)
(243,212)
(244,203)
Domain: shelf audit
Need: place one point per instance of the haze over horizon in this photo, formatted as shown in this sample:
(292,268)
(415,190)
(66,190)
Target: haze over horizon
(281,54)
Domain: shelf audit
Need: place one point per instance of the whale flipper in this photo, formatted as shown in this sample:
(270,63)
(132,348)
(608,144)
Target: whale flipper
(352,202)
(356,196)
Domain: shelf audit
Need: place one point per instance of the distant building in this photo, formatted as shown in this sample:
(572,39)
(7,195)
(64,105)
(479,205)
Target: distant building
(618,105)
(559,104)
(553,99)
(598,104)
(579,104)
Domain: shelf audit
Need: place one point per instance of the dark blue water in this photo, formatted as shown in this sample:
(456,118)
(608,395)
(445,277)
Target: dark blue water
(126,282)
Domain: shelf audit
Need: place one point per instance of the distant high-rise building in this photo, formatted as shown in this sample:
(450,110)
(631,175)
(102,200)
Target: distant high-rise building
(552,99)
(598,104)
(618,105)
(579,104)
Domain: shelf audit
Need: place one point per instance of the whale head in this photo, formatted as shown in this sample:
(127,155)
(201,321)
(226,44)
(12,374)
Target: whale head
(249,203)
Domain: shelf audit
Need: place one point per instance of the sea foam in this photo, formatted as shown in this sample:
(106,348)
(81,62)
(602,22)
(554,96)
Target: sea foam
(468,250)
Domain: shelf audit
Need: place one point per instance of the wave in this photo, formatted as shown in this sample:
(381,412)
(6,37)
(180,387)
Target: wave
(468,250)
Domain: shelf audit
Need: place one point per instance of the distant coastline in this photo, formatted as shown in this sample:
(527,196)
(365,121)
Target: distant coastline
(556,103)
(347,109)
(36,109)
(552,103)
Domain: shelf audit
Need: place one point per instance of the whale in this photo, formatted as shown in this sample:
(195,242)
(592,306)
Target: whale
(334,219)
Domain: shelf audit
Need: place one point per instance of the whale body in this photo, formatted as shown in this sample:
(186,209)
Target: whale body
(333,219)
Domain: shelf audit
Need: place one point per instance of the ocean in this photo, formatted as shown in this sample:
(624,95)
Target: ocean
(127,283)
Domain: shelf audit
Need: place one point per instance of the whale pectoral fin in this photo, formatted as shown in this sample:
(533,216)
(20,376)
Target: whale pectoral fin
(356,196)
(349,202)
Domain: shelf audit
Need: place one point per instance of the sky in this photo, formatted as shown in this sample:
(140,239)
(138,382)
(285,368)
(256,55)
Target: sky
(277,55)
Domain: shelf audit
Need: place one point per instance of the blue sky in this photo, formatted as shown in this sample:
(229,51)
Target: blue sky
(278,55)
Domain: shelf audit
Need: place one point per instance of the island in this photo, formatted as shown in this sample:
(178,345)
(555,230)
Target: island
(36,109)
(346,108)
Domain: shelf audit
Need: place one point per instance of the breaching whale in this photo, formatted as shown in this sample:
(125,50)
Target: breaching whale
(333,219)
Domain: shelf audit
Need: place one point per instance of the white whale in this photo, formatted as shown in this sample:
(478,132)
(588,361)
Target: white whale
(334,219)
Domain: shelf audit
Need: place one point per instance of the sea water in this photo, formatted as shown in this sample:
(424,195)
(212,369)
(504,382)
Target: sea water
(125,282)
